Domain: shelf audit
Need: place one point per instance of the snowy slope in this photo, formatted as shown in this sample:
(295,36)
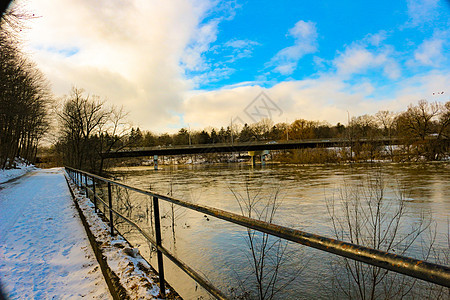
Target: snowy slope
(44,251)
(21,168)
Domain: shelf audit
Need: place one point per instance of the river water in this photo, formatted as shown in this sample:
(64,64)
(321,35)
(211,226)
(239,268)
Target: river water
(304,197)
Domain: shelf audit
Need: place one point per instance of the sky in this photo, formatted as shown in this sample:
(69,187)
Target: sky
(203,63)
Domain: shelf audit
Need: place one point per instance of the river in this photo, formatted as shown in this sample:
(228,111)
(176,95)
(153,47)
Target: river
(304,196)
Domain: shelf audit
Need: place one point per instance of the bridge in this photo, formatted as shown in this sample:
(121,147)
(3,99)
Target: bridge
(242,147)
(253,148)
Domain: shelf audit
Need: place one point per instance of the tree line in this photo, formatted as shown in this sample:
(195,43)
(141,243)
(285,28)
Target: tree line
(24,97)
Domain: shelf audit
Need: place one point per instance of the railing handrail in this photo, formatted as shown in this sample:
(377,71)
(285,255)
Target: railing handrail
(427,271)
(202,281)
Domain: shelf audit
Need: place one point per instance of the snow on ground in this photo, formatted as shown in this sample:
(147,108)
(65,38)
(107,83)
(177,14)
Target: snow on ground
(21,168)
(44,250)
(135,274)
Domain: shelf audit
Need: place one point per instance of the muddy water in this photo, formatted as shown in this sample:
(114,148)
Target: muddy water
(220,251)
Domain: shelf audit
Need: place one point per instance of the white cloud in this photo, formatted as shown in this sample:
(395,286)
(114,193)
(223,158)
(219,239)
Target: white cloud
(239,49)
(359,58)
(421,11)
(129,53)
(305,36)
(377,38)
(327,98)
(192,58)
(429,53)
(239,44)
(356,60)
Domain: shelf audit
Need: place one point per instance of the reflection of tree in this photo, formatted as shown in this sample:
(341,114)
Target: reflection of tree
(440,256)
(174,213)
(123,205)
(365,216)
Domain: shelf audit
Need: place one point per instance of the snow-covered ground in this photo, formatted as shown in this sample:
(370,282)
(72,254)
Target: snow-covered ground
(134,273)
(21,168)
(44,250)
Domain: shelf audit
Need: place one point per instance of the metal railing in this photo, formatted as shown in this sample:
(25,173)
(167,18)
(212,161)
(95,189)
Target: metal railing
(423,270)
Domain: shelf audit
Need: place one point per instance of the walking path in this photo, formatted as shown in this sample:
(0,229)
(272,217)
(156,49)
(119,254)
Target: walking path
(44,250)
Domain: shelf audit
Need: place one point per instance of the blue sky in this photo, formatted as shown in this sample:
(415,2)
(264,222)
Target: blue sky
(200,63)
(260,29)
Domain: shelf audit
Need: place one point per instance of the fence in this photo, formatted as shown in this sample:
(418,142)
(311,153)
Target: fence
(423,270)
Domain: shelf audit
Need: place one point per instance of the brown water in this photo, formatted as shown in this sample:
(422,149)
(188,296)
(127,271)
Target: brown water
(220,251)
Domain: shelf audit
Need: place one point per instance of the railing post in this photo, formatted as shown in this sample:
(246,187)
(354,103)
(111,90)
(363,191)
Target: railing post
(158,243)
(95,195)
(111,224)
(86,185)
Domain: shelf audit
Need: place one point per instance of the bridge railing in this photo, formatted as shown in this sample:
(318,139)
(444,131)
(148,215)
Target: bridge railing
(423,270)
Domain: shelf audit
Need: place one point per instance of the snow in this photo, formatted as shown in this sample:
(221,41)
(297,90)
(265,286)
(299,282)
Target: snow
(134,272)
(44,250)
(21,169)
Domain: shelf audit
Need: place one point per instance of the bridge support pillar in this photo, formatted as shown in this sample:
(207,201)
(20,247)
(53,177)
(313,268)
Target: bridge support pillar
(264,154)
(155,162)
(253,155)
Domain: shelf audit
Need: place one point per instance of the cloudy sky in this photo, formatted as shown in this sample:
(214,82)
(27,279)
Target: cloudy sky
(201,63)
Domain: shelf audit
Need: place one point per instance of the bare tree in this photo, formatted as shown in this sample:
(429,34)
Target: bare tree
(80,118)
(267,254)
(422,127)
(113,134)
(386,120)
(24,99)
(418,119)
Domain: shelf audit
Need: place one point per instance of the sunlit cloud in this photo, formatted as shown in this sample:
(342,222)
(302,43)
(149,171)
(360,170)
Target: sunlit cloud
(136,58)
